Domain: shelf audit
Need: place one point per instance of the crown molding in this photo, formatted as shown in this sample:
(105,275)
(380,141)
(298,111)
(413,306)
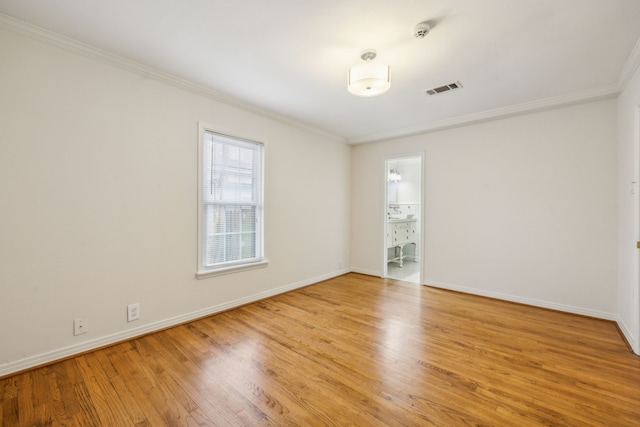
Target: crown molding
(630,67)
(611,91)
(495,114)
(41,34)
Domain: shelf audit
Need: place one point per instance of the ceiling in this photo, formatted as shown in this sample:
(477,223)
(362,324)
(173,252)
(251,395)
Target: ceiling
(290,57)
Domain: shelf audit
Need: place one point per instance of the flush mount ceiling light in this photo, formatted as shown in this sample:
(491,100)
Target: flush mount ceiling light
(368,79)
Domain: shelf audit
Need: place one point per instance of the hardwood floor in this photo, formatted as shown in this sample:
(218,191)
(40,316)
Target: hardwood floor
(354,350)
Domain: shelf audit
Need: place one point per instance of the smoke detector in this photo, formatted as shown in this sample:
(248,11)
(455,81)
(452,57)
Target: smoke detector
(421,30)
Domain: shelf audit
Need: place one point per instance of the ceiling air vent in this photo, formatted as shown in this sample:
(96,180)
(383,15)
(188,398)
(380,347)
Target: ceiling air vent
(445,88)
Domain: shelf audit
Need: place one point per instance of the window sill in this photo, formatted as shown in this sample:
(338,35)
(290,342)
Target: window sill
(229,270)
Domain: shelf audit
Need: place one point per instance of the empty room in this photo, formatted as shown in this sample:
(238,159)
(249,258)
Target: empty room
(309,213)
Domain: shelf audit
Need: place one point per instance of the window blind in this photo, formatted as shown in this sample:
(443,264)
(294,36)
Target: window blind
(231,200)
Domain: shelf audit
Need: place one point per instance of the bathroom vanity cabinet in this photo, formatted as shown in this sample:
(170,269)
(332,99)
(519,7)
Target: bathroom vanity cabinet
(400,232)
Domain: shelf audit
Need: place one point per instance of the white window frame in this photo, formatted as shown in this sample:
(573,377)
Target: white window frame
(204,271)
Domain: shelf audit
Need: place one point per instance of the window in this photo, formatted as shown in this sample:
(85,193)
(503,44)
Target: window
(231,204)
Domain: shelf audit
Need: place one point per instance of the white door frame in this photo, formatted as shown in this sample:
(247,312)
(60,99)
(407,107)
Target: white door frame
(636,223)
(421,218)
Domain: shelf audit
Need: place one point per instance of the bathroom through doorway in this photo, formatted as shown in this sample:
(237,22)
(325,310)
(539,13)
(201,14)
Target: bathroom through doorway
(403,213)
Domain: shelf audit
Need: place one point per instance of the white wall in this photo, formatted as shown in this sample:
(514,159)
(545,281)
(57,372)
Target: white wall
(409,187)
(522,208)
(628,132)
(98,202)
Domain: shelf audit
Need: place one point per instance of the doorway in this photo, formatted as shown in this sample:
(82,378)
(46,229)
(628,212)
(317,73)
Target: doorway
(403,219)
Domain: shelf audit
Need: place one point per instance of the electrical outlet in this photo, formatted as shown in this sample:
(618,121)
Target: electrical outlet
(80,326)
(133,312)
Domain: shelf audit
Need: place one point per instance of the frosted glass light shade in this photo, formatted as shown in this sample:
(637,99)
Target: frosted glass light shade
(394,175)
(369,79)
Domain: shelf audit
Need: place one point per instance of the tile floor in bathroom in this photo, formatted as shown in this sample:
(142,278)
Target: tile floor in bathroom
(409,272)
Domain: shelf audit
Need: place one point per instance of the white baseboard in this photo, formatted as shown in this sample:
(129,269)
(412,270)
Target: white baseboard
(528,301)
(633,342)
(367,272)
(61,353)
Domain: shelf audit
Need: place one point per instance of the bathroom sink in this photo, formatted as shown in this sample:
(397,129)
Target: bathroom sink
(404,218)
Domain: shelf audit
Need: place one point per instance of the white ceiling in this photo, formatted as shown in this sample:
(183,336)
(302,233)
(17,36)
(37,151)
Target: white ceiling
(291,57)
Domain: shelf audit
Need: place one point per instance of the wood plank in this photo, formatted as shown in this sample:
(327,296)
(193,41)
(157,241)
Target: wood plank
(353,350)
